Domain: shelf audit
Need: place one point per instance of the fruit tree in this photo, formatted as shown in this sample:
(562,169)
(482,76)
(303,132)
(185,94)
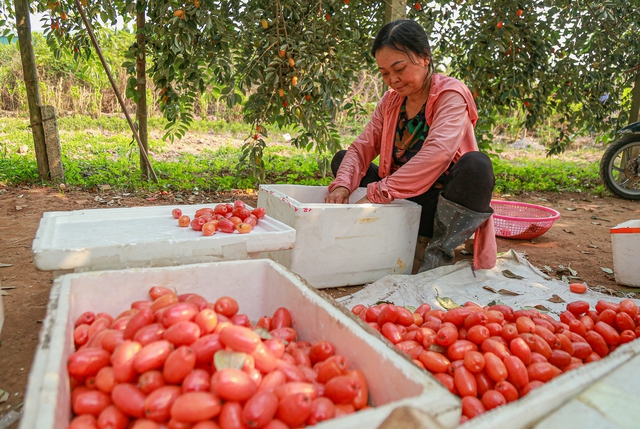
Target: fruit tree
(292,63)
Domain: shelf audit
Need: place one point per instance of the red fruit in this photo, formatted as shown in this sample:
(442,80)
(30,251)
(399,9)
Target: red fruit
(281,319)
(578,287)
(193,407)
(233,385)
(90,402)
(465,382)
(321,351)
(542,371)
(182,333)
(321,409)
(87,362)
(517,371)
(342,389)
(492,399)
(472,406)
(176,213)
(495,368)
(157,405)
(260,409)
(434,362)
(111,417)
(578,308)
(294,409)
(179,364)
(152,356)
(129,399)
(150,381)
(184,221)
(198,223)
(507,390)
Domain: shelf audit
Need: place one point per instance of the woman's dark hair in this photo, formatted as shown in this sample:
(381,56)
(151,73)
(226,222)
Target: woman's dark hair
(406,36)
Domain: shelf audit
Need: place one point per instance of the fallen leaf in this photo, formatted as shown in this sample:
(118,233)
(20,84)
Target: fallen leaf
(541,308)
(4,265)
(587,253)
(564,279)
(495,302)
(384,302)
(446,303)
(8,287)
(341,289)
(508,292)
(607,270)
(568,232)
(227,359)
(410,308)
(549,269)
(556,299)
(508,274)
(596,223)
(490,289)
(18,208)
(4,293)
(571,209)
(593,246)
(263,333)
(104,187)
(4,396)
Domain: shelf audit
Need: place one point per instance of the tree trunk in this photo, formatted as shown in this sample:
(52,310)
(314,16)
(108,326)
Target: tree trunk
(635,99)
(31,83)
(394,10)
(141,75)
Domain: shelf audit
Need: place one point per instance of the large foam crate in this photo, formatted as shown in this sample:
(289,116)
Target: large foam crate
(116,238)
(260,286)
(625,249)
(342,244)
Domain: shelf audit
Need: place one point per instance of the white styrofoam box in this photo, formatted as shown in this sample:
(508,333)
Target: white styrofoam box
(260,286)
(115,238)
(543,401)
(342,244)
(611,402)
(625,248)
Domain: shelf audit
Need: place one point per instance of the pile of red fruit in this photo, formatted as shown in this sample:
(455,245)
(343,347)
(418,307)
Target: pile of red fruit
(493,355)
(227,218)
(181,362)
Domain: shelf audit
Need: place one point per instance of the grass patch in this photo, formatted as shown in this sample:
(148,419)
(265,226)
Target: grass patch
(101,151)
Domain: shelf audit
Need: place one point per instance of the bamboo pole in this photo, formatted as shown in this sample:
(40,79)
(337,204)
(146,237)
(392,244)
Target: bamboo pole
(94,41)
(23,24)
(394,10)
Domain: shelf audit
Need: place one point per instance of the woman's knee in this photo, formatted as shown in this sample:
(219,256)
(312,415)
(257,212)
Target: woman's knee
(475,163)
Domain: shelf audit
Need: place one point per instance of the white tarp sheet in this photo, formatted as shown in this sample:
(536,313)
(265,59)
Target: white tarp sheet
(458,283)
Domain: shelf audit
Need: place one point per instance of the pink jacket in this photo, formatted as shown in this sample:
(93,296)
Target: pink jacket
(451,115)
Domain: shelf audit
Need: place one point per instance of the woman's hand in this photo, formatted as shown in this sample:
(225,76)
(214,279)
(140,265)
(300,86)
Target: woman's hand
(339,195)
(363,200)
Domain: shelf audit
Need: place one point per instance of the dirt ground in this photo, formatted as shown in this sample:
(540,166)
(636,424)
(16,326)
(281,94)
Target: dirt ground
(579,240)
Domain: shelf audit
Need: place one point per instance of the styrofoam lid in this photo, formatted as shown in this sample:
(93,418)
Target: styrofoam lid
(628,227)
(116,237)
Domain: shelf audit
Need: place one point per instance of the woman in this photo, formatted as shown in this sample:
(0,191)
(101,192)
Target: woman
(422,129)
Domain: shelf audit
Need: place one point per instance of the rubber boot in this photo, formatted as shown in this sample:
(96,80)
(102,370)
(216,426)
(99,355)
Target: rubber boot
(452,225)
(421,246)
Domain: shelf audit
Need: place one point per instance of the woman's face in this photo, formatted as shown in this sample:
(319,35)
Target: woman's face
(403,73)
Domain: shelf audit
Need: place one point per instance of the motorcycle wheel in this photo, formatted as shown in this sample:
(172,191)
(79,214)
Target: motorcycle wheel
(620,168)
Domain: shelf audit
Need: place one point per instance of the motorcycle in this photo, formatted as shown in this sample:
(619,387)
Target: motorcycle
(620,164)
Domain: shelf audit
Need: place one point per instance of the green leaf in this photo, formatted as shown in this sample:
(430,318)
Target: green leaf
(224,359)
(446,303)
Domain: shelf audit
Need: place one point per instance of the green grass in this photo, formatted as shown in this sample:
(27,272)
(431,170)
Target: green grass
(101,151)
